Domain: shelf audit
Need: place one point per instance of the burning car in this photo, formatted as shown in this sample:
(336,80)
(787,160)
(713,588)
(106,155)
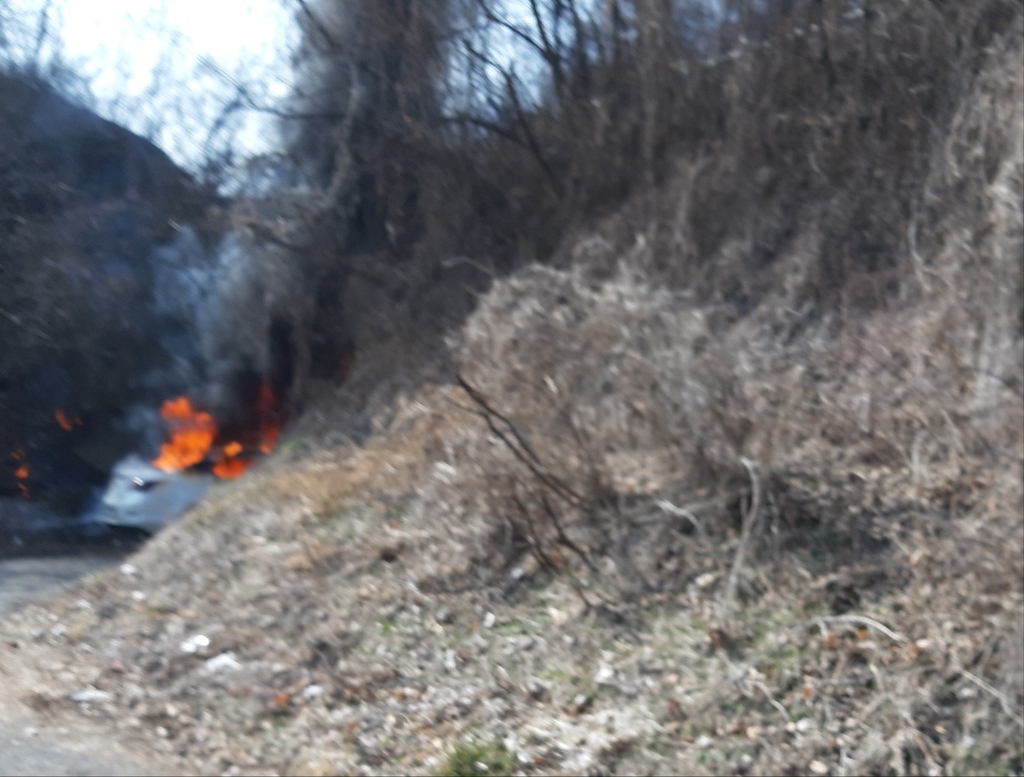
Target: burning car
(147,495)
(141,496)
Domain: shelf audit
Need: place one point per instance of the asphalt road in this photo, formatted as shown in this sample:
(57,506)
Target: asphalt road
(28,750)
(27,746)
(25,579)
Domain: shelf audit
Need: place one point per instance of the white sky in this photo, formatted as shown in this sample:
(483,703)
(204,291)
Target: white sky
(165,68)
(152,64)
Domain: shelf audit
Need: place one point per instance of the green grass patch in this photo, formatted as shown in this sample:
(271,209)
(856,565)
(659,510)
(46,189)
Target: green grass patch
(295,445)
(477,759)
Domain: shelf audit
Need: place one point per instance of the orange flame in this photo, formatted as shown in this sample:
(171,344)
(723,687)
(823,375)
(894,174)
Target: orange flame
(67,424)
(228,467)
(228,464)
(22,472)
(192,433)
(270,411)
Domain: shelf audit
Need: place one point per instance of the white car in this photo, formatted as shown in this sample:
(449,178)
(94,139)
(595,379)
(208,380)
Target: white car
(143,497)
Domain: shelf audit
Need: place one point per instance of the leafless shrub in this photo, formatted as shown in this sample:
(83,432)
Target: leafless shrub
(629,394)
(778,147)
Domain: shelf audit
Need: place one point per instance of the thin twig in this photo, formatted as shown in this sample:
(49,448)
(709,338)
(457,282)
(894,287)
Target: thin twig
(520,447)
(479,398)
(319,25)
(683,512)
(774,702)
(1002,697)
(749,520)
(862,621)
(535,544)
(563,537)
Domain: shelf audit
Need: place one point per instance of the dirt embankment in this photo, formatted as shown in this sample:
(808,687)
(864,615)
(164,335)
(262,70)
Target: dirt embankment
(651,530)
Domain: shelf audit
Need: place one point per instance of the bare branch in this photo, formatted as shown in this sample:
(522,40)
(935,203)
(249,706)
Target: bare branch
(1004,700)
(528,131)
(507,432)
(506,24)
(860,620)
(318,25)
(750,518)
(683,512)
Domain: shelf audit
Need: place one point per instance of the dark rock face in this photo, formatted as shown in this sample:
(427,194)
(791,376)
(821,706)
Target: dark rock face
(91,216)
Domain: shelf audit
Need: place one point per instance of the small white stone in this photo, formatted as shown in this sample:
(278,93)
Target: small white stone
(90,694)
(222,662)
(489,620)
(818,767)
(604,674)
(194,643)
(312,692)
(138,596)
(444,472)
(129,570)
(704,742)
(706,580)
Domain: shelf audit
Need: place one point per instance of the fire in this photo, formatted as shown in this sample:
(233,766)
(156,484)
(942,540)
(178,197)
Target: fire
(195,435)
(228,464)
(228,467)
(66,423)
(270,412)
(192,434)
(22,472)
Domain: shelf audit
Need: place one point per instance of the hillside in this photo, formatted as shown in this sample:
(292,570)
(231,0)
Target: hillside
(732,483)
(83,205)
